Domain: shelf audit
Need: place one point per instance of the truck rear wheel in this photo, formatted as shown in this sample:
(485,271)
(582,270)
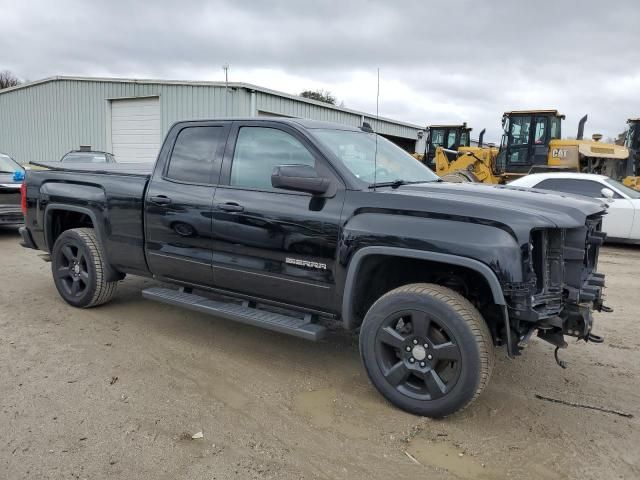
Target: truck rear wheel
(78,269)
(427,349)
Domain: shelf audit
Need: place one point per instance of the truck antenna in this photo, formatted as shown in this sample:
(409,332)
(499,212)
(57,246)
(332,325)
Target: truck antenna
(375,154)
(225,67)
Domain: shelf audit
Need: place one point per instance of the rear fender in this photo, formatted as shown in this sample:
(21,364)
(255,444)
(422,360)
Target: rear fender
(110,273)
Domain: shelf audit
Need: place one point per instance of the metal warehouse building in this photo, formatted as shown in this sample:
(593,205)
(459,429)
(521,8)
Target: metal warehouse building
(42,120)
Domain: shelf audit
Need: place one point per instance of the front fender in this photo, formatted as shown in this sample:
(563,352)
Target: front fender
(348,317)
(491,244)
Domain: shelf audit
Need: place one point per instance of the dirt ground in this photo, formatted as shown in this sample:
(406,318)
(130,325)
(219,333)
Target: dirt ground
(118,391)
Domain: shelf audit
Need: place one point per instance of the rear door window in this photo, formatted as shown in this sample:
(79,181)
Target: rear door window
(519,130)
(194,154)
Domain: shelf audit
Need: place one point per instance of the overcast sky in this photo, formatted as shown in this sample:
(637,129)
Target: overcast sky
(440,61)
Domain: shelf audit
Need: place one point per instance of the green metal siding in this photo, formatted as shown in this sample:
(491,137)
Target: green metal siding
(279,105)
(43,121)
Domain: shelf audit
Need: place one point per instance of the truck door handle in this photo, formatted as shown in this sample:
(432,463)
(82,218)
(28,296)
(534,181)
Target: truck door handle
(160,200)
(231,207)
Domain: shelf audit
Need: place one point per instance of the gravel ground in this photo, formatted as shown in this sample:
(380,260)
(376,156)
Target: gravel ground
(118,391)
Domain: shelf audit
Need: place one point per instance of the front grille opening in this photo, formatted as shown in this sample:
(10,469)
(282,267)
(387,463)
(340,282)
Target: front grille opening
(538,256)
(547,260)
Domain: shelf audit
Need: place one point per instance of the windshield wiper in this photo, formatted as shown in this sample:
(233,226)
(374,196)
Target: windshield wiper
(399,182)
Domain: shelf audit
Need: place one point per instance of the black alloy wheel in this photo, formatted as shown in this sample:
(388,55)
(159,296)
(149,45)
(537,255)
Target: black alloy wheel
(72,270)
(418,355)
(79,269)
(427,349)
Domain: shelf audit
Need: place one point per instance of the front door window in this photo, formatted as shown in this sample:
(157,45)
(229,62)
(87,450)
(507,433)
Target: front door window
(519,130)
(437,137)
(259,150)
(519,136)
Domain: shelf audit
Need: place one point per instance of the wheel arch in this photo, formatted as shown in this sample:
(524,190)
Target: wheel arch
(50,237)
(355,269)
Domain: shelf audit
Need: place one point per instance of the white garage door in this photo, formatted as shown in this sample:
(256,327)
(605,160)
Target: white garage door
(135,129)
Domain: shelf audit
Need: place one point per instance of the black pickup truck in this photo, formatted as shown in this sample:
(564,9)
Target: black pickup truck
(281,223)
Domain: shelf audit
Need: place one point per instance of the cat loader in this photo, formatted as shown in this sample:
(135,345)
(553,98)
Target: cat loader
(449,137)
(445,143)
(532,143)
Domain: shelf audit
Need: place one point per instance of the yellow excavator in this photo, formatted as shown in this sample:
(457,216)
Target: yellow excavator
(448,137)
(532,143)
(446,143)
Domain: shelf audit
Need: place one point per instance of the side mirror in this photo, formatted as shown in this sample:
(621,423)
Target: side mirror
(608,194)
(299,178)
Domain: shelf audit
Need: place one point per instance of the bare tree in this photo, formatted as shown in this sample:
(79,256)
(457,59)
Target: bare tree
(8,79)
(319,95)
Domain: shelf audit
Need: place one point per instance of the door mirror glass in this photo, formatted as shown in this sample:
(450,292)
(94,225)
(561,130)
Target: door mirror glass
(299,178)
(608,194)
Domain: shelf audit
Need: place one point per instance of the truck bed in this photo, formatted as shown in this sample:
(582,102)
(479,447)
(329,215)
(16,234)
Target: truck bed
(108,196)
(136,169)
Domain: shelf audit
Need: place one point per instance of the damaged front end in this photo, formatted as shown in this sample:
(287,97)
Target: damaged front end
(562,287)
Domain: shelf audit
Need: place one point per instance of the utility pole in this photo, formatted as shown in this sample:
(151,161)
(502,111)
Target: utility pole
(225,67)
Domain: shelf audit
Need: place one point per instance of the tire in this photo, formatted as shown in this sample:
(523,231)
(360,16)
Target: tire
(451,362)
(460,176)
(78,268)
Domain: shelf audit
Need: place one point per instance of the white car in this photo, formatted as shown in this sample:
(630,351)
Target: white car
(622,221)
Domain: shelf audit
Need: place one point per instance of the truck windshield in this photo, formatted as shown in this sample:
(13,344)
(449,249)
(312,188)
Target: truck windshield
(7,165)
(357,150)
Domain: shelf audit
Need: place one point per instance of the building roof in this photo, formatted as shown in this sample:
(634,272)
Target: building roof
(246,86)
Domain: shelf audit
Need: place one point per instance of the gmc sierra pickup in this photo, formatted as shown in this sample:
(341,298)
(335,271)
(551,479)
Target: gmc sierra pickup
(280,223)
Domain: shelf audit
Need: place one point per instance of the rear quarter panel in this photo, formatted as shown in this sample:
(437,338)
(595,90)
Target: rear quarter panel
(114,202)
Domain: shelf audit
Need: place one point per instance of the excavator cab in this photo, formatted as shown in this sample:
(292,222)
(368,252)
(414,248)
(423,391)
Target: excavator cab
(525,142)
(632,140)
(449,137)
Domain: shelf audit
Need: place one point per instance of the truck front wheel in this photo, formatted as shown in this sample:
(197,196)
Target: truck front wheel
(78,269)
(427,349)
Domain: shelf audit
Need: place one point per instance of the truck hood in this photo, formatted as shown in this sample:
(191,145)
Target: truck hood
(516,207)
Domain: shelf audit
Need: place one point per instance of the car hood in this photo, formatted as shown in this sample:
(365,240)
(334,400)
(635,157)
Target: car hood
(516,207)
